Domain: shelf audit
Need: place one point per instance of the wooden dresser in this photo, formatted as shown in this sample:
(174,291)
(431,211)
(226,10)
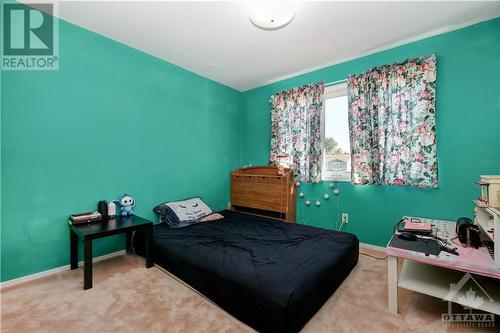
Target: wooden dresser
(262,190)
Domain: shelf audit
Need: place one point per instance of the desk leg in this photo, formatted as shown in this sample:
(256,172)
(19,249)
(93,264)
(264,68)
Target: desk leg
(149,235)
(392,277)
(73,249)
(87,264)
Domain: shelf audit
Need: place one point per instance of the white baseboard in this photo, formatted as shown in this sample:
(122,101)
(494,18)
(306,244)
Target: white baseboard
(38,275)
(373,247)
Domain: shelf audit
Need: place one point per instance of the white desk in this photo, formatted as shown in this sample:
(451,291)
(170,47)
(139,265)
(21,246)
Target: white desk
(432,275)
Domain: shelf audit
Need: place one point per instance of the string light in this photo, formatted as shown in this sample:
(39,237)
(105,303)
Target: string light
(324,196)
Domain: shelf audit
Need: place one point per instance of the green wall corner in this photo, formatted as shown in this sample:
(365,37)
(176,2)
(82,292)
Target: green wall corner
(113,120)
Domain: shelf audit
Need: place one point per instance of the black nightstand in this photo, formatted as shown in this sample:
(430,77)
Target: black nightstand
(118,225)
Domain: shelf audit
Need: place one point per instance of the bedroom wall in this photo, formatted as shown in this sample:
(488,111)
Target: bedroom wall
(468,136)
(111,120)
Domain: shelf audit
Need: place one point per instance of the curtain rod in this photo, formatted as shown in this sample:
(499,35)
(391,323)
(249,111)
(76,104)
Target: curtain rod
(335,82)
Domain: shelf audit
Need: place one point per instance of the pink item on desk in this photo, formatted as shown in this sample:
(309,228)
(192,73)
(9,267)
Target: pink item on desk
(418,226)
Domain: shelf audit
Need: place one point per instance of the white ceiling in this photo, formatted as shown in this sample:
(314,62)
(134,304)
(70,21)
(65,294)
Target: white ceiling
(217,40)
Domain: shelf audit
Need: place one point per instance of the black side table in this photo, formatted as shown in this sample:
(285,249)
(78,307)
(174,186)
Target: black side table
(88,232)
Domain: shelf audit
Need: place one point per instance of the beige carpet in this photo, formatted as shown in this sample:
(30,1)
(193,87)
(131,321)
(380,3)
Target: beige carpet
(130,298)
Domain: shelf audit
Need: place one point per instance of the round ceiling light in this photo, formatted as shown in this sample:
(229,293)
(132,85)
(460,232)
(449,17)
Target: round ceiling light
(272,18)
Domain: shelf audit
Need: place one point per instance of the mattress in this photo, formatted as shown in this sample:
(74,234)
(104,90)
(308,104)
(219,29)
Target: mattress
(273,276)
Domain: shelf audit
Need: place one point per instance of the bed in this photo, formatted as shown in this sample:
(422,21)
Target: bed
(271,275)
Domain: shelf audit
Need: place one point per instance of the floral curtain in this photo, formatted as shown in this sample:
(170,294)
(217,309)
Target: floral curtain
(392,124)
(296,131)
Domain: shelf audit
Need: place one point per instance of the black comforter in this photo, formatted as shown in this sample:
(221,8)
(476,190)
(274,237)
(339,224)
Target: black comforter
(272,275)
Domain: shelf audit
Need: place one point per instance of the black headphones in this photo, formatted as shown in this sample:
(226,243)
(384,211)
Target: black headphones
(468,232)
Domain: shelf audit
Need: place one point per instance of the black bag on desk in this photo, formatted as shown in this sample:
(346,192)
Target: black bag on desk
(468,232)
(427,246)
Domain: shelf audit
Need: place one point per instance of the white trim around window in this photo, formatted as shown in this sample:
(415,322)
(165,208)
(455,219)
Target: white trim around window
(335,91)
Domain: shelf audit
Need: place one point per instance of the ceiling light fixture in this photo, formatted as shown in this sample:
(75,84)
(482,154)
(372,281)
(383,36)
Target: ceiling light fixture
(272,17)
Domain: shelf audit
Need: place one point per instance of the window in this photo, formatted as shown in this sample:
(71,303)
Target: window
(335,130)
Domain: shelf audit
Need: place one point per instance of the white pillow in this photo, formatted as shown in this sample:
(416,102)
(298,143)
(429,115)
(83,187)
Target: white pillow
(179,214)
(190,209)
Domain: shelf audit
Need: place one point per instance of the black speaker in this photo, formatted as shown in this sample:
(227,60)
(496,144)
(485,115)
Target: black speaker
(102,207)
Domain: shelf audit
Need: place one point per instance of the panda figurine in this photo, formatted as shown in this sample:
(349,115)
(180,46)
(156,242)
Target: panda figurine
(126,205)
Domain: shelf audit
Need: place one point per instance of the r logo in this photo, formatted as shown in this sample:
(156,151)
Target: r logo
(28,30)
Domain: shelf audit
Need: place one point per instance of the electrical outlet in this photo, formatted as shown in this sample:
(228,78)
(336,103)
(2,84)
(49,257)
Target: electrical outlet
(345,218)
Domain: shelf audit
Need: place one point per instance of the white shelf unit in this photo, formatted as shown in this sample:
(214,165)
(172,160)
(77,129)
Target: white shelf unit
(488,219)
(435,281)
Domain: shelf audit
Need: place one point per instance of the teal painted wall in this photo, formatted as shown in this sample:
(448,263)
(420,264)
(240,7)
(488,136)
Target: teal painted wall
(111,120)
(159,133)
(468,135)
